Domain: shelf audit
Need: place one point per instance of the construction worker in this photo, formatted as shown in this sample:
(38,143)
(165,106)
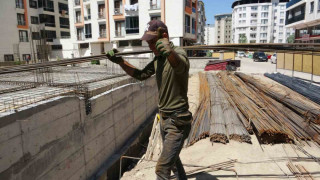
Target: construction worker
(171,68)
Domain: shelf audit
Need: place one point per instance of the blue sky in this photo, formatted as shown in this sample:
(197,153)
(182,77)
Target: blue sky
(214,7)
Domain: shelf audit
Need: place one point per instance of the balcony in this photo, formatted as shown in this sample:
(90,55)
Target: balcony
(295,19)
(23,39)
(103,33)
(88,17)
(67,26)
(80,37)
(78,19)
(119,33)
(187,29)
(88,36)
(50,24)
(19,4)
(101,15)
(155,5)
(77,3)
(118,11)
(134,30)
(22,22)
(193,9)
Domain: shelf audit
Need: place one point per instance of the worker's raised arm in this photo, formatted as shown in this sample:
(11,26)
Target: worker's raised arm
(130,69)
(178,60)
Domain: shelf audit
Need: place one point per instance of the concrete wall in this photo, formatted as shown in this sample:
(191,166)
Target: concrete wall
(57,140)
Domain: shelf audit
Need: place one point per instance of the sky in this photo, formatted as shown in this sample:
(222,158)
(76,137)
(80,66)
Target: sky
(213,7)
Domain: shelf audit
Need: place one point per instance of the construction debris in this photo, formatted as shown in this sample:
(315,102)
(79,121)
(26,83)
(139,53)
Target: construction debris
(299,172)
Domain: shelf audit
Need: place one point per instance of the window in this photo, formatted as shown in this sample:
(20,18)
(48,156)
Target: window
(48,20)
(136,43)
(254,8)
(132,2)
(264,15)
(88,31)
(281,14)
(23,36)
(265,8)
(244,15)
(64,34)
(35,35)
(63,9)
(132,25)
(47,5)
(8,57)
(264,21)
(84,45)
(244,8)
(21,20)
(34,20)
(318,5)
(280,28)
(155,18)
(311,6)
(315,30)
(78,17)
(280,40)
(56,47)
(193,26)
(19,4)
(187,24)
(281,21)
(123,43)
(282,7)
(33,4)
(64,22)
(263,35)
(49,35)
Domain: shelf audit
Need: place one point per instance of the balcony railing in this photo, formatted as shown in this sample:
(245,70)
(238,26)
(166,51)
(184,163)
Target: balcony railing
(134,30)
(78,20)
(23,39)
(50,24)
(21,22)
(187,29)
(292,2)
(101,15)
(119,33)
(103,33)
(154,5)
(295,19)
(80,37)
(50,9)
(64,26)
(118,11)
(88,36)
(20,5)
(87,17)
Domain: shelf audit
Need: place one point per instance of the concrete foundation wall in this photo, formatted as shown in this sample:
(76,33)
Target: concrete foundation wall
(57,140)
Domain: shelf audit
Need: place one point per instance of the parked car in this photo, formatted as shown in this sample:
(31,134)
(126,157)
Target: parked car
(274,58)
(260,56)
(241,54)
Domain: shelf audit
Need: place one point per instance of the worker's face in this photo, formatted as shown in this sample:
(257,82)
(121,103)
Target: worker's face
(152,45)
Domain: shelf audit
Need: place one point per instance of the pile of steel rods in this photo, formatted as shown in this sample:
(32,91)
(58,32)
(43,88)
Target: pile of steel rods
(305,88)
(299,171)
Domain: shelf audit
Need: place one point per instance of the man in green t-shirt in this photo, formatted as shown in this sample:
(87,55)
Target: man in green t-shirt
(171,68)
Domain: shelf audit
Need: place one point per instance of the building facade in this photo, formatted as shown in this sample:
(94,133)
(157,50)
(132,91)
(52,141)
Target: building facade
(26,22)
(259,21)
(201,23)
(223,29)
(209,34)
(304,17)
(99,25)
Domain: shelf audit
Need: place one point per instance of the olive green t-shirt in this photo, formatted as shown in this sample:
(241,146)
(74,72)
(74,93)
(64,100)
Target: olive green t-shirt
(172,82)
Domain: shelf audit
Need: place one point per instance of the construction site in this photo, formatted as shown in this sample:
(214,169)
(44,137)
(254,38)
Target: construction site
(70,119)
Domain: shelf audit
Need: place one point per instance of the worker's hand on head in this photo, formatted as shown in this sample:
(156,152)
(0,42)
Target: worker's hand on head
(112,57)
(164,47)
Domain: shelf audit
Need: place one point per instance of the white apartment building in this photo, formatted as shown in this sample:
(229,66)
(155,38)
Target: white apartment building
(24,22)
(209,34)
(99,25)
(259,21)
(223,29)
(304,17)
(201,23)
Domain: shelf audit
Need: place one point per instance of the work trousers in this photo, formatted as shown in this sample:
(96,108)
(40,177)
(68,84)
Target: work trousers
(173,136)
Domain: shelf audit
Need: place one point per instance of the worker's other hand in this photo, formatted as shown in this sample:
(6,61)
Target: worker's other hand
(164,47)
(112,56)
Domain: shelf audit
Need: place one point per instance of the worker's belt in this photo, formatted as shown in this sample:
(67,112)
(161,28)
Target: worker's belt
(178,117)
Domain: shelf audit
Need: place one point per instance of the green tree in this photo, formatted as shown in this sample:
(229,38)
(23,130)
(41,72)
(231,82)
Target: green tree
(209,54)
(291,38)
(242,38)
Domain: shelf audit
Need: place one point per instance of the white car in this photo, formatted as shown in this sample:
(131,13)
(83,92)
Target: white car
(241,54)
(274,58)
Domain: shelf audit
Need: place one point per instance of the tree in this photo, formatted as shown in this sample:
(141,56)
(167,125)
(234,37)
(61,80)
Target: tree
(242,38)
(291,38)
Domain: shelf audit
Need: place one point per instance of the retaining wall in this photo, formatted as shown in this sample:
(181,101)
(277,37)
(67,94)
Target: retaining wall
(57,140)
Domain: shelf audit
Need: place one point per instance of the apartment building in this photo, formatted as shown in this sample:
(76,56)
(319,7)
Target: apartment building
(259,21)
(223,29)
(304,16)
(201,23)
(209,34)
(99,25)
(24,22)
